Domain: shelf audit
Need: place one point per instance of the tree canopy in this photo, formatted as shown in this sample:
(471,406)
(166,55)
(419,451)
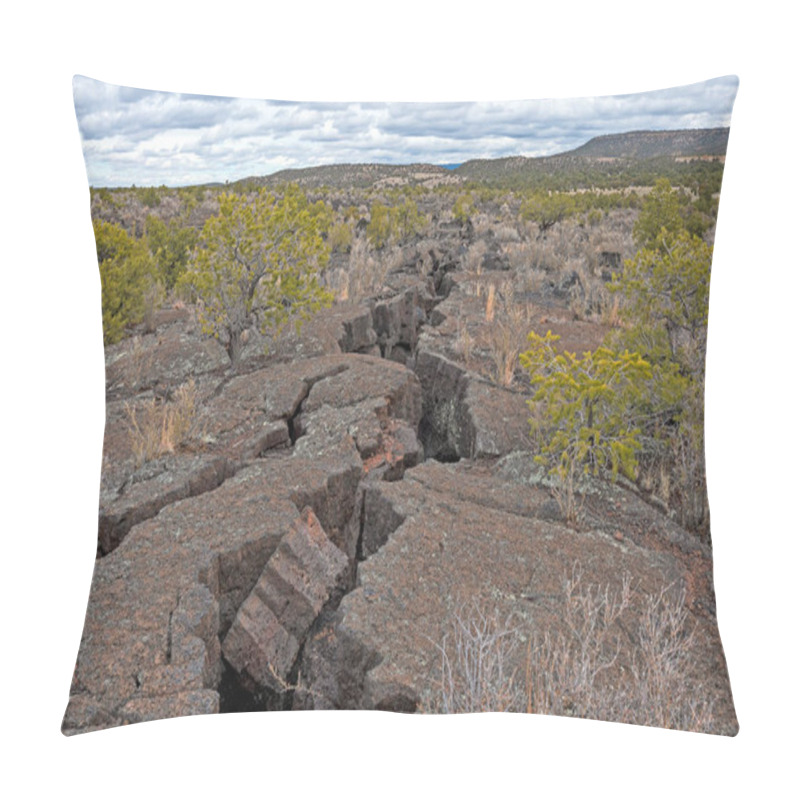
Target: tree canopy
(389,224)
(257,263)
(665,290)
(127,271)
(171,245)
(583,411)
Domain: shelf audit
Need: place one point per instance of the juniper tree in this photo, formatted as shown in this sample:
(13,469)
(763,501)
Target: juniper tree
(127,275)
(171,245)
(583,412)
(547,209)
(660,216)
(390,224)
(665,291)
(257,263)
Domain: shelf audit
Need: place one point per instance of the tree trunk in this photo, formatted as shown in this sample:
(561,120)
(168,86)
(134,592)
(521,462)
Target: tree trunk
(235,346)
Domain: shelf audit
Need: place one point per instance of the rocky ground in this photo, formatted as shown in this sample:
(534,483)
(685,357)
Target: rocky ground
(339,505)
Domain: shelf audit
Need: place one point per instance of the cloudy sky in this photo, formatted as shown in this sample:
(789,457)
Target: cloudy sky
(132,136)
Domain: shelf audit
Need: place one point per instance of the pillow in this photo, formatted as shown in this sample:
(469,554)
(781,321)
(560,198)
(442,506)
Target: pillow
(404,407)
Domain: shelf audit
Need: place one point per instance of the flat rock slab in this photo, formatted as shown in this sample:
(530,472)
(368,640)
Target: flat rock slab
(175,479)
(242,417)
(133,646)
(171,355)
(219,540)
(442,547)
(345,328)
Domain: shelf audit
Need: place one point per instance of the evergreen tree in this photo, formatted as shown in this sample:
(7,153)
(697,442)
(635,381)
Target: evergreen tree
(583,412)
(171,245)
(127,274)
(257,263)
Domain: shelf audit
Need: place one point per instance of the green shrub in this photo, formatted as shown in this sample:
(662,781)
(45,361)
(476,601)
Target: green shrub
(463,208)
(171,245)
(128,275)
(547,209)
(341,237)
(583,413)
(392,224)
(665,292)
(258,262)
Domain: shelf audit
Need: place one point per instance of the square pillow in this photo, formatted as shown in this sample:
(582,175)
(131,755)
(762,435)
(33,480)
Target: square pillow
(404,407)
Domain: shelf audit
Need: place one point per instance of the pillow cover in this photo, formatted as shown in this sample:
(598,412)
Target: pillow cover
(404,407)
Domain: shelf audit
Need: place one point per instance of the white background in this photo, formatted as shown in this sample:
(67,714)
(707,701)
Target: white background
(51,416)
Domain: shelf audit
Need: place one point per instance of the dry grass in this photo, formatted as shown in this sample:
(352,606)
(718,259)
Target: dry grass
(138,364)
(506,232)
(564,671)
(476,665)
(611,314)
(154,296)
(520,255)
(366,272)
(529,282)
(161,428)
(504,337)
(490,303)
(481,223)
(576,670)
(472,259)
(464,341)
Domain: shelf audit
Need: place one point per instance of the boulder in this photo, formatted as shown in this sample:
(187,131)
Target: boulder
(465,416)
(346,328)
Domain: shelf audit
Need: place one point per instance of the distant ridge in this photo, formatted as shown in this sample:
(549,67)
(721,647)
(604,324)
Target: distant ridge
(616,159)
(359,176)
(616,156)
(653,144)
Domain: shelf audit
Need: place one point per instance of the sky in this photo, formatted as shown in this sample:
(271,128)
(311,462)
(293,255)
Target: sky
(148,138)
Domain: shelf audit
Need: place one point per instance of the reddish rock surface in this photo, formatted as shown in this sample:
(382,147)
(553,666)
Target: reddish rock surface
(302,575)
(448,536)
(163,599)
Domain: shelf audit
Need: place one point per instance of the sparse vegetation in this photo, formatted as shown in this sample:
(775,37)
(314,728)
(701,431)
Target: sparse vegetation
(341,237)
(477,671)
(159,428)
(665,290)
(463,208)
(575,248)
(645,383)
(503,338)
(393,224)
(591,665)
(577,286)
(364,273)
(546,209)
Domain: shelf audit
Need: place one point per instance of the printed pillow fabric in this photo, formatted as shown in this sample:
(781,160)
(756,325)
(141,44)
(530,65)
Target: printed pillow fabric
(404,407)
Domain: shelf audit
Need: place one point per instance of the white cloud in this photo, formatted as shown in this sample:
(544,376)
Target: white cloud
(152,138)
